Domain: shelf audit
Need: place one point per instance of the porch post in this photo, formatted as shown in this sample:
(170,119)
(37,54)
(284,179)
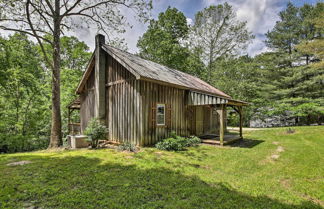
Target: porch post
(241,121)
(221,124)
(69,120)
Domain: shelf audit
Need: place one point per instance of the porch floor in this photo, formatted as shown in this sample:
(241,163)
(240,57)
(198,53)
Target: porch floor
(214,139)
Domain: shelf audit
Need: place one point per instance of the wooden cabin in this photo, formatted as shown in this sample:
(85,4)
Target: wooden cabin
(142,102)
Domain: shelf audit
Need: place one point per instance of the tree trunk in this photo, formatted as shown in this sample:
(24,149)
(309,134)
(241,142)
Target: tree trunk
(56,135)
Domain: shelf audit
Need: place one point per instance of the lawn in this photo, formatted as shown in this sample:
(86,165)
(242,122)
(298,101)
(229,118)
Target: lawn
(271,169)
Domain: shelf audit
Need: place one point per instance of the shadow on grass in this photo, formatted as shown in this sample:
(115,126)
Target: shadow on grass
(87,182)
(246,143)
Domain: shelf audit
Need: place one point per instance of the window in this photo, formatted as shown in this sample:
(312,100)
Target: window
(160,114)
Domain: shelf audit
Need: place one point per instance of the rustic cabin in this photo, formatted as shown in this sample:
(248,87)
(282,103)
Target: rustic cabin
(142,102)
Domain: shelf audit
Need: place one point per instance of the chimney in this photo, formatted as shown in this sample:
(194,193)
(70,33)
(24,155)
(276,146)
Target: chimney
(100,79)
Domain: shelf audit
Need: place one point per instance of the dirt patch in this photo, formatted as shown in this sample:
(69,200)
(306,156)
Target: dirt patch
(314,200)
(280,149)
(205,167)
(23,162)
(129,157)
(275,157)
(285,183)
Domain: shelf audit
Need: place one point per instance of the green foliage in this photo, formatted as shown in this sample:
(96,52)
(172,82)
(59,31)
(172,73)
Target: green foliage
(95,131)
(285,33)
(290,130)
(20,143)
(204,177)
(161,42)
(177,143)
(24,108)
(290,78)
(218,33)
(25,93)
(127,147)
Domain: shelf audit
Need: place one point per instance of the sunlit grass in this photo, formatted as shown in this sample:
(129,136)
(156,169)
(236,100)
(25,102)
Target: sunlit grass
(272,169)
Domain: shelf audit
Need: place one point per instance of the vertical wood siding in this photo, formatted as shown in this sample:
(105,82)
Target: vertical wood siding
(176,108)
(87,99)
(123,101)
(131,108)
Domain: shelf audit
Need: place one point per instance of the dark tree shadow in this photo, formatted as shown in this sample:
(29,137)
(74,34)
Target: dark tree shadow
(88,182)
(246,143)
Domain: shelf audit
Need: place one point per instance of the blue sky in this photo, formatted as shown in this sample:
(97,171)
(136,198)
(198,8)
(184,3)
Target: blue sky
(260,15)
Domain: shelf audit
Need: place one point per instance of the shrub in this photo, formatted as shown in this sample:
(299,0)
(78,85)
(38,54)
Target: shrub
(22,143)
(290,130)
(95,131)
(193,141)
(177,143)
(127,147)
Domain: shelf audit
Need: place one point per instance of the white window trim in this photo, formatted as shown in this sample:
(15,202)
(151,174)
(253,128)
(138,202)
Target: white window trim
(157,114)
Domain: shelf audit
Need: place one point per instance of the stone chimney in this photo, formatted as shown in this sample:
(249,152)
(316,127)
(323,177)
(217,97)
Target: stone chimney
(100,78)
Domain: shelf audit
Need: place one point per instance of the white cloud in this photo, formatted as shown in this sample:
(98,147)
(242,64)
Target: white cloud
(189,21)
(261,16)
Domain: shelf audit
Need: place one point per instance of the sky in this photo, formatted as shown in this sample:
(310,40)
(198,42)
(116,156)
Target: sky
(261,16)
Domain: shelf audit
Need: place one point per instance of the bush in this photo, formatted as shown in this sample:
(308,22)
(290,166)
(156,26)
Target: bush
(95,131)
(177,143)
(21,143)
(193,141)
(290,130)
(127,147)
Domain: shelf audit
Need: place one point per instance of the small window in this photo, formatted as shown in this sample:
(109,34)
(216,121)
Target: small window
(160,114)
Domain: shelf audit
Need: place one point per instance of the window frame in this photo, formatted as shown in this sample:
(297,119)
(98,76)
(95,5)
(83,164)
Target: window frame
(157,114)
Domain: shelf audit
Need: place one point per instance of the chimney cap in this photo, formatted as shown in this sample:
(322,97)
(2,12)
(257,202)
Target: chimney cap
(100,39)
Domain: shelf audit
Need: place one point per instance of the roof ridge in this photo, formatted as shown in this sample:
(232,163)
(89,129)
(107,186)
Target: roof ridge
(156,63)
(188,79)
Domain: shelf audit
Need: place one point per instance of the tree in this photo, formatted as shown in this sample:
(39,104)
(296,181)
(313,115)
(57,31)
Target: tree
(296,86)
(74,53)
(161,43)
(47,20)
(218,32)
(285,34)
(313,44)
(23,98)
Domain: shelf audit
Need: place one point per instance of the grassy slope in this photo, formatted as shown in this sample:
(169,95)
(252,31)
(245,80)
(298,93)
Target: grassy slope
(202,177)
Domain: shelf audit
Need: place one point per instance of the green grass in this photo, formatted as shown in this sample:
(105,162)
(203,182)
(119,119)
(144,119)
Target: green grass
(242,176)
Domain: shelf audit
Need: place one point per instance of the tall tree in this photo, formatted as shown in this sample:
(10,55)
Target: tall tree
(23,93)
(285,34)
(218,32)
(161,43)
(297,87)
(313,44)
(47,20)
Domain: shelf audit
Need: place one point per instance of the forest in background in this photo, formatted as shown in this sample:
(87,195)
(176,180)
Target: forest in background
(287,81)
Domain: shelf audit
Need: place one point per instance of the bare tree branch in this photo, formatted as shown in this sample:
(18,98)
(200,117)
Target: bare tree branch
(43,17)
(36,36)
(26,32)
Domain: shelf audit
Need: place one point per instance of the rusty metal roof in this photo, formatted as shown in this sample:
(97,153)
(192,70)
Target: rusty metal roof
(154,72)
(145,69)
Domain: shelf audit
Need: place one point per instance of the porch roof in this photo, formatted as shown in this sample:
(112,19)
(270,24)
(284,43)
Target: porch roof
(75,104)
(199,98)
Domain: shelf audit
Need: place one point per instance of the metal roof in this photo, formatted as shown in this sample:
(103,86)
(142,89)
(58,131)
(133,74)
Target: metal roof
(145,69)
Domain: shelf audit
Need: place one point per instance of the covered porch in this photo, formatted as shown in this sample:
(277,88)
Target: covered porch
(74,127)
(215,139)
(220,105)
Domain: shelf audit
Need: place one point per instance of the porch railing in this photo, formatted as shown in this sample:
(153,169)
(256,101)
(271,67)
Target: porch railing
(74,128)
